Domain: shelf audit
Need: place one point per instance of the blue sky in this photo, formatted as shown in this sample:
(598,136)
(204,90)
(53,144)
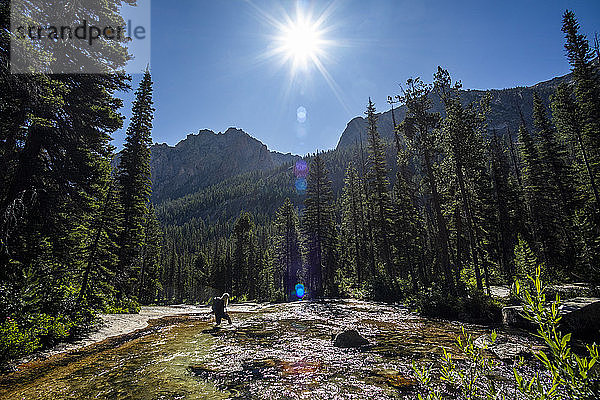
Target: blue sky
(210,71)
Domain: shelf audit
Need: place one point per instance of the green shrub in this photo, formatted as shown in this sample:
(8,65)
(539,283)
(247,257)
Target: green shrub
(473,307)
(123,306)
(15,342)
(565,375)
(48,329)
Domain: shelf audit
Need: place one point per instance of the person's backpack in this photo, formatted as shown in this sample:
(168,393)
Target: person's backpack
(218,305)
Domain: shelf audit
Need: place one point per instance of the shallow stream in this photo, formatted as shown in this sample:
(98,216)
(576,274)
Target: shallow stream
(281,351)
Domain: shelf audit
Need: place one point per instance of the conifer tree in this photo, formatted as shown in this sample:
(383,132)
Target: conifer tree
(461,129)
(134,177)
(542,204)
(103,249)
(318,226)
(587,80)
(353,235)
(149,282)
(566,118)
(420,128)
(504,196)
(554,157)
(287,247)
(243,234)
(378,194)
(408,227)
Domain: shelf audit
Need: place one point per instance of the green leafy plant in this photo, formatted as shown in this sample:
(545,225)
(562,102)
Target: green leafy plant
(565,375)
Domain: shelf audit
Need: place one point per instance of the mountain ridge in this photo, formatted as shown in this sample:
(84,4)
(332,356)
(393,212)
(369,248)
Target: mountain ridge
(207,158)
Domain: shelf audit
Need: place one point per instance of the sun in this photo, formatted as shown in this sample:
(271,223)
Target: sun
(304,41)
(301,41)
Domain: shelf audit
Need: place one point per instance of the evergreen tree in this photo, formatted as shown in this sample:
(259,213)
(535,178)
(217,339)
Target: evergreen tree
(103,249)
(461,130)
(243,234)
(378,195)
(587,80)
(149,282)
(420,128)
(287,247)
(408,227)
(136,185)
(566,117)
(353,229)
(554,157)
(542,204)
(504,196)
(318,226)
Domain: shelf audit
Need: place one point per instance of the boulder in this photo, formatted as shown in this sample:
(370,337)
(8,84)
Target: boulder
(348,339)
(505,347)
(512,316)
(580,315)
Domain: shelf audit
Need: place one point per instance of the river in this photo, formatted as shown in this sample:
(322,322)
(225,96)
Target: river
(281,351)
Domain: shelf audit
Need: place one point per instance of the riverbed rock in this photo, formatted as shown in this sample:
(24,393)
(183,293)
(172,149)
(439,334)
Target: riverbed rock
(580,315)
(348,339)
(504,348)
(394,379)
(513,316)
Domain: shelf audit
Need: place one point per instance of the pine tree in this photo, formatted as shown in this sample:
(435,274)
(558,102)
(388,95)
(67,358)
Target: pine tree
(378,192)
(504,196)
(318,226)
(134,177)
(408,227)
(566,118)
(353,229)
(554,157)
(149,282)
(542,205)
(287,245)
(242,244)
(587,80)
(461,129)
(102,251)
(420,130)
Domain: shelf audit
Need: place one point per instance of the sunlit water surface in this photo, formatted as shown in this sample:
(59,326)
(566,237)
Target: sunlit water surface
(281,352)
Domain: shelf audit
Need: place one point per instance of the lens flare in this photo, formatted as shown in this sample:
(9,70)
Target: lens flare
(301,185)
(301,169)
(301,114)
(300,290)
(304,40)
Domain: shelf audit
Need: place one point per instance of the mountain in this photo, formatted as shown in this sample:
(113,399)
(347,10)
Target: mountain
(205,159)
(208,159)
(504,110)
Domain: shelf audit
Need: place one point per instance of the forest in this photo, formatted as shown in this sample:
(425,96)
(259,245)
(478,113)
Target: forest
(432,218)
(443,206)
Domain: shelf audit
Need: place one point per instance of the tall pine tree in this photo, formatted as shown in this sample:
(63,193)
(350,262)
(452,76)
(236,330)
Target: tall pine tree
(136,186)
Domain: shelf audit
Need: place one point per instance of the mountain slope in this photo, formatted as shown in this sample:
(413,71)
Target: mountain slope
(205,159)
(504,110)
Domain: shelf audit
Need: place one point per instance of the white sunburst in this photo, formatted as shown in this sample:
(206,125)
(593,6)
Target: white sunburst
(303,42)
